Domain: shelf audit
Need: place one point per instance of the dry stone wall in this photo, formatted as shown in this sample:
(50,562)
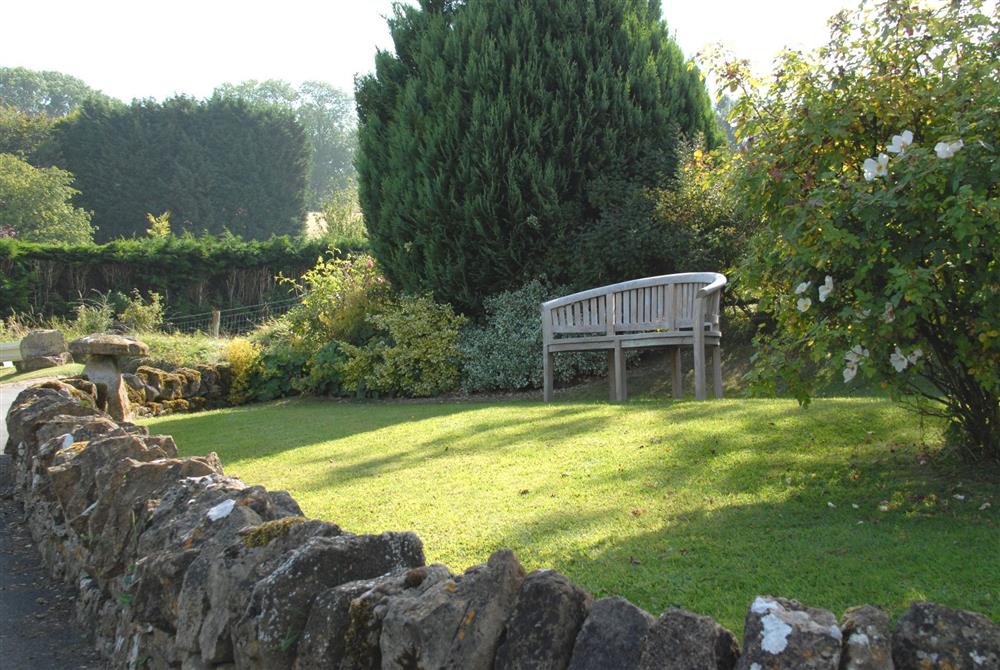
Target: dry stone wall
(150,391)
(153,391)
(180,566)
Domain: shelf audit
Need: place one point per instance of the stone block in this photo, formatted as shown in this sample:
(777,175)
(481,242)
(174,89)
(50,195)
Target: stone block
(867,639)
(541,631)
(934,636)
(456,623)
(782,634)
(681,640)
(612,637)
(267,634)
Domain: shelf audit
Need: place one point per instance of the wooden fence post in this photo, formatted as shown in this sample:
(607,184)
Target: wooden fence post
(216,318)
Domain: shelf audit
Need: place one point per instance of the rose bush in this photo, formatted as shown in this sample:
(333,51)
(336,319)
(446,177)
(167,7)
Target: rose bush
(874,164)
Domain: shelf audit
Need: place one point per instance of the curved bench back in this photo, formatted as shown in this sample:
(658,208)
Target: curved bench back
(663,303)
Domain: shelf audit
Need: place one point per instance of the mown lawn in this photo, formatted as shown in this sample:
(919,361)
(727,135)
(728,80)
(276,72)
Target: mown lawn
(698,505)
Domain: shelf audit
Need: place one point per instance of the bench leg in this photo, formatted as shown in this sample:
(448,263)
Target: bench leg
(612,384)
(699,371)
(621,390)
(678,375)
(717,370)
(547,374)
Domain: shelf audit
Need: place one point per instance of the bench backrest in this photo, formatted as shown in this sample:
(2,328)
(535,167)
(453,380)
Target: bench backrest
(663,303)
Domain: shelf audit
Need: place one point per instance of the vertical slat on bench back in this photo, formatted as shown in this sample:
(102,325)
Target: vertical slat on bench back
(685,305)
(670,295)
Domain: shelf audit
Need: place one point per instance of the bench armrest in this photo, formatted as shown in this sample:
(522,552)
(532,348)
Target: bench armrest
(716,285)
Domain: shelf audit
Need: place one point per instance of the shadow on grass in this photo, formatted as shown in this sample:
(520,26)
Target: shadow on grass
(716,562)
(480,436)
(261,431)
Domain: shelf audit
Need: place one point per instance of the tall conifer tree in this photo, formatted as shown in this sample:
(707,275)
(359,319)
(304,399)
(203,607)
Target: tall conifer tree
(496,137)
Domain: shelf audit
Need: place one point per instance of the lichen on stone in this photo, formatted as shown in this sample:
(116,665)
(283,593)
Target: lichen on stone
(262,535)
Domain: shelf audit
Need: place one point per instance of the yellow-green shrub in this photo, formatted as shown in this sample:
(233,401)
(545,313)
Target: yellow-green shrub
(244,359)
(337,295)
(414,353)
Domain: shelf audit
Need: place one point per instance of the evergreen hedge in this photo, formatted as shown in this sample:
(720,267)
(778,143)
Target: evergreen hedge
(192,274)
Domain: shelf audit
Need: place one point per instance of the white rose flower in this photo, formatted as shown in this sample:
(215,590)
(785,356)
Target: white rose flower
(900,142)
(915,356)
(804,304)
(803,287)
(898,360)
(947,149)
(876,168)
(856,354)
(826,289)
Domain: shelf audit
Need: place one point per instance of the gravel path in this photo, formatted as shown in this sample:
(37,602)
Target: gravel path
(38,630)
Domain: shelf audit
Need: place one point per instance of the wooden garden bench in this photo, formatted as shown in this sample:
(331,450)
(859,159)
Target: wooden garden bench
(640,314)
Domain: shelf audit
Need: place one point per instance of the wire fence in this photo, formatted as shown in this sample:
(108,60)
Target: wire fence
(233,321)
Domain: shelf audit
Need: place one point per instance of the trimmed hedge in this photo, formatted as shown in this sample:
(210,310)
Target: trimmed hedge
(190,273)
(216,164)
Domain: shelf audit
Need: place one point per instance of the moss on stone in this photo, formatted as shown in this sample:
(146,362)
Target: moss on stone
(262,535)
(175,406)
(74,392)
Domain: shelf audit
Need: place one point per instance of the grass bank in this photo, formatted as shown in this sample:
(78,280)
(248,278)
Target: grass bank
(697,505)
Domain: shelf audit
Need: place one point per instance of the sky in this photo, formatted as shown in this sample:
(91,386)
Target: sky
(139,49)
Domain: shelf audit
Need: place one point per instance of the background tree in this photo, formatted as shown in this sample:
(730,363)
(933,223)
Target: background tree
(218,165)
(503,139)
(327,115)
(35,92)
(28,137)
(875,165)
(36,204)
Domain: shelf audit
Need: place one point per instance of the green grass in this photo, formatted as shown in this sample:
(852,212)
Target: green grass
(175,350)
(10,375)
(697,505)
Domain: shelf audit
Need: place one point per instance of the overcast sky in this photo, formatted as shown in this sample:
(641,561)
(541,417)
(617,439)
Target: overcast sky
(139,49)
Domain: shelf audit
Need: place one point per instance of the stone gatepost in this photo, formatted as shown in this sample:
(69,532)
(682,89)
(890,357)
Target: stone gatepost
(104,357)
